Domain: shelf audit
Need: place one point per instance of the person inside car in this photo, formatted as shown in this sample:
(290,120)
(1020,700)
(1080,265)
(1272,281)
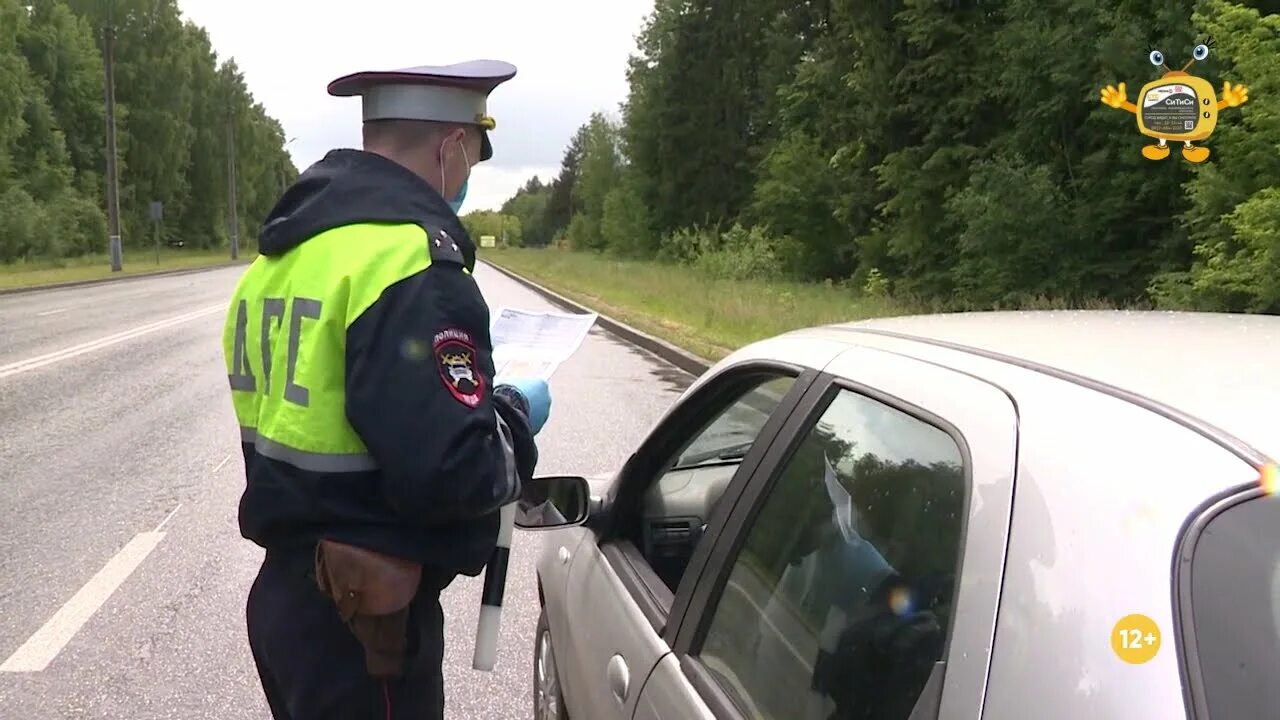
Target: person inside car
(875,644)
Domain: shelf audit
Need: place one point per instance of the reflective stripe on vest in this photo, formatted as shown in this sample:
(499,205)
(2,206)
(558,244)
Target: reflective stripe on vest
(285,340)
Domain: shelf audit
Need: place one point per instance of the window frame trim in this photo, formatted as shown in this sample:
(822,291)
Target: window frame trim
(694,624)
(720,703)
(646,589)
(652,597)
(1190,670)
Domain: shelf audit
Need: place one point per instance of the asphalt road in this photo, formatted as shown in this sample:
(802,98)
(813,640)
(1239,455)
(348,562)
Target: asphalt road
(122,571)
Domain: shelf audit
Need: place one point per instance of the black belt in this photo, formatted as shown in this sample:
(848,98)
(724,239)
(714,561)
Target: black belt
(297,560)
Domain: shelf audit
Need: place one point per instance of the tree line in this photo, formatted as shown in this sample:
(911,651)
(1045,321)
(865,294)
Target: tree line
(179,109)
(951,152)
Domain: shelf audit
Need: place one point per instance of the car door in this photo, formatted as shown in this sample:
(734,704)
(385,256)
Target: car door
(622,582)
(858,575)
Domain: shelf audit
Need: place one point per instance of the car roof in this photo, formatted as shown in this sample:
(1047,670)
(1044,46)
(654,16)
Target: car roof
(1223,369)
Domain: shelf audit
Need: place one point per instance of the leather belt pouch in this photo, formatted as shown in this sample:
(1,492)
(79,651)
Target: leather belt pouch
(373,592)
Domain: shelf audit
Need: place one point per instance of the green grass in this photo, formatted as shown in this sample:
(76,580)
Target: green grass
(137,261)
(706,316)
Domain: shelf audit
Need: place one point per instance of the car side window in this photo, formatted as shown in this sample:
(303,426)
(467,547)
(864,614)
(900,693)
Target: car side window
(839,601)
(689,485)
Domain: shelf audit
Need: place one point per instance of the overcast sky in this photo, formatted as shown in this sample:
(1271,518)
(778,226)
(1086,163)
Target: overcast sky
(571,56)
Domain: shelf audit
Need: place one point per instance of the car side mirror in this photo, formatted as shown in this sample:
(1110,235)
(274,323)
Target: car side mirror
(557,501)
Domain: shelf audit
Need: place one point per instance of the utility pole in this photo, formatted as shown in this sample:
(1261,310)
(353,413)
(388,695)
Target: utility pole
(113,187)
(234,217)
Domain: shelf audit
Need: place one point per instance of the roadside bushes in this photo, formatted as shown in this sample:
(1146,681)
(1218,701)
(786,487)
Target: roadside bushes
(67,225)
(738,253)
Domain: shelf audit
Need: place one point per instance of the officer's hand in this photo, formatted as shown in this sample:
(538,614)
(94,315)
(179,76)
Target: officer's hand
(538,395)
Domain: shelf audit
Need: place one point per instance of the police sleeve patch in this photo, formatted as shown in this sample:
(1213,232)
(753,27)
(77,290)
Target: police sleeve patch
(456,359)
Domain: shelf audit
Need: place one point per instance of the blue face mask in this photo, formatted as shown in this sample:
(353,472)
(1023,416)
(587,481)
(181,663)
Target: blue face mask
(456,203)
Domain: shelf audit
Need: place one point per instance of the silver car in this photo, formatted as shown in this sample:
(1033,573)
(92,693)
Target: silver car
(991,515)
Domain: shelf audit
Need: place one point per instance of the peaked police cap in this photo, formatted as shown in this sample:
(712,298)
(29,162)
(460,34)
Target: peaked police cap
(455,93)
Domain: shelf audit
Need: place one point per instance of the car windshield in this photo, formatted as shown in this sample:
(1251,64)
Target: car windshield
(732,451)
(729,436)
(1235,610)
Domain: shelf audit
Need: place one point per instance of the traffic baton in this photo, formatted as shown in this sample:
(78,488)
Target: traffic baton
(495,582)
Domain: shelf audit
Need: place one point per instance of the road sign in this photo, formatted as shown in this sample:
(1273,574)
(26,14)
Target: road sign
(157,211)
(488,241)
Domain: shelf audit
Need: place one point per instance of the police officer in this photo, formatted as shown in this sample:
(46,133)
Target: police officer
(377,450)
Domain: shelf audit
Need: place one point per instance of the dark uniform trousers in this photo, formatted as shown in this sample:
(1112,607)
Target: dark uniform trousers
(311,665)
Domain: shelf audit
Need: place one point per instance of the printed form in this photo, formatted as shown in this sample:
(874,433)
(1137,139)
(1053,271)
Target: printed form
(533,344)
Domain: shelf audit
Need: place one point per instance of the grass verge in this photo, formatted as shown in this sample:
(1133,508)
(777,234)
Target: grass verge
(96,267)
(709,317)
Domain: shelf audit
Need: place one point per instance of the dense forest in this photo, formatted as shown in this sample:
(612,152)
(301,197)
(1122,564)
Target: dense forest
(179,110)
(955,152)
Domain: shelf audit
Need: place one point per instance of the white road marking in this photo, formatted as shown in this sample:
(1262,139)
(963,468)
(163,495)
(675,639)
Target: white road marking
(42,647)
(225,460)
(77,350)
(166,519)
(46,313)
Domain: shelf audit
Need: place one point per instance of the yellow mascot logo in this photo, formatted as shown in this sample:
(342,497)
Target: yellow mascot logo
(1178,107)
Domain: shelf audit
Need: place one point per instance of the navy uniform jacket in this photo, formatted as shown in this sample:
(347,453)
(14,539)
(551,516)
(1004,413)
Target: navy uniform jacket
(358,352)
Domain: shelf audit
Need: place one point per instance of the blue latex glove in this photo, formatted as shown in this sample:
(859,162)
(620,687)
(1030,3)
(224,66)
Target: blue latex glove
(538,395)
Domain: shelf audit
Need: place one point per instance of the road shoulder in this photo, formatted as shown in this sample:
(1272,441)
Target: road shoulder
(683,359)
(23,289)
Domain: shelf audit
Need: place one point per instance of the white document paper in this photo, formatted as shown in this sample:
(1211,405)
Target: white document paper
(533,344)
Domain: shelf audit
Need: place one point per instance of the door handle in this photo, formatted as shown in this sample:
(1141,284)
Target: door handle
(619,678)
